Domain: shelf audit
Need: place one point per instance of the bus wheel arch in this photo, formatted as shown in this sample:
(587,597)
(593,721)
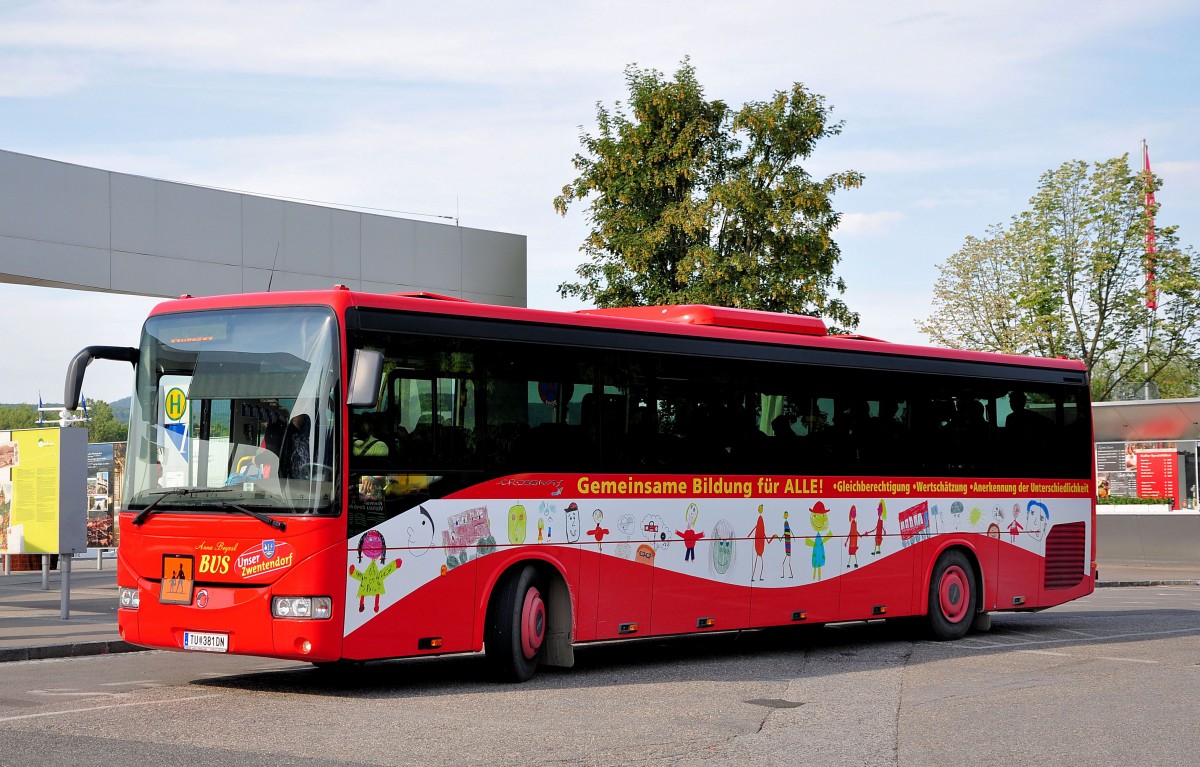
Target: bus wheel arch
(955,593)
(528,620)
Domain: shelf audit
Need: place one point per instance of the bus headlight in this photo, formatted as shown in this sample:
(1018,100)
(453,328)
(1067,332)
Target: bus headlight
(302,608)
(129,598)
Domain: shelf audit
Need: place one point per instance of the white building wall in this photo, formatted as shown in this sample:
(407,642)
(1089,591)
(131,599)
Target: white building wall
(64,225)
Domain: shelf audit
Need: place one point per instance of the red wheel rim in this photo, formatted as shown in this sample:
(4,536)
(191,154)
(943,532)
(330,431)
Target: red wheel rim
(953,594)
(533,624)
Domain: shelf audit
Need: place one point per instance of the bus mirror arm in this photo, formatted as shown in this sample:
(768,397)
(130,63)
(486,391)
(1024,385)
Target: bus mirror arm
(84,358)
(366,375)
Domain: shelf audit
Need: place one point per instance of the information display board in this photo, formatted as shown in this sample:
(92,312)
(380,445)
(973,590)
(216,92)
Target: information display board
(44,478)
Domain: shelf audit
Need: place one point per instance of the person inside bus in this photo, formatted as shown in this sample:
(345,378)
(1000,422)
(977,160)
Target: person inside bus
(296,460)
(367,437)
(1022,419)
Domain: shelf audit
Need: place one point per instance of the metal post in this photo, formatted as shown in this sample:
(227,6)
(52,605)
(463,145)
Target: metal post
(64,564)
(99,559)
(7,569)
(45,572)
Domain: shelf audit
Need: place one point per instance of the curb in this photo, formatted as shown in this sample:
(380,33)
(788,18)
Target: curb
(1122,584)
(74,650)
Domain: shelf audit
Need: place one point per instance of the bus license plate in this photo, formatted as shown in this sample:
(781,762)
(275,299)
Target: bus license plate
(205,642)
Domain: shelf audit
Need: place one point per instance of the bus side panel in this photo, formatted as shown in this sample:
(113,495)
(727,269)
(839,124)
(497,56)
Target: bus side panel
(681,600)
(987,550)
(1019,576)
(443,608)
(812,603)
(625,594)
(882,588)
(586,597)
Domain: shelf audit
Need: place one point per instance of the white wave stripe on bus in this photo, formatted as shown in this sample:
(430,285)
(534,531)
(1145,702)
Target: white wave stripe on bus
(717,539)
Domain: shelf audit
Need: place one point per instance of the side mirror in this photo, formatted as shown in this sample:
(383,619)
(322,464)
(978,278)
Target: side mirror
(366,375)
(79,363)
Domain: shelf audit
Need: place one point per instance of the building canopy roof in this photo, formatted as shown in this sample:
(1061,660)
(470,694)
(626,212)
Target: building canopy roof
(1146,420)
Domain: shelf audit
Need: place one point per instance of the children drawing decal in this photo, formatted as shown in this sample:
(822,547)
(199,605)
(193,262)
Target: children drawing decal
(689,535)
(818,517)
(516,525)
(760,544)
(468,528)
(1015,527)
(787,548)
(370,581)
(881,512)
(722,553)
(1038,517)
(599,531)
(852,537)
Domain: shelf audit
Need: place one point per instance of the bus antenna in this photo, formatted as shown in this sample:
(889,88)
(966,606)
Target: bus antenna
(271,276)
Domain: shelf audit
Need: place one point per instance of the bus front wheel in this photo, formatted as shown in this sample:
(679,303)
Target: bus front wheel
(951,596)
(517,626)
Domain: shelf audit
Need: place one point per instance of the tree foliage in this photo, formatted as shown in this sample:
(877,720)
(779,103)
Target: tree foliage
(102,425)
(692,202)
(1067,278)
(17,417)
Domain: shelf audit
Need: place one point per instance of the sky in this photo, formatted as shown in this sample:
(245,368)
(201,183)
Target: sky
(951,110)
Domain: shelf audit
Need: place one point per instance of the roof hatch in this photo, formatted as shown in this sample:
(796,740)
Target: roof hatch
(720,316)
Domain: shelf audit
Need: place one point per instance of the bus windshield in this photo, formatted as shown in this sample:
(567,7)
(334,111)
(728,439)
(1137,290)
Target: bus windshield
(240,403)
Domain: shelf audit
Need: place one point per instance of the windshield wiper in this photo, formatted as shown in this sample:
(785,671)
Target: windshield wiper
(275,523)
(146,512)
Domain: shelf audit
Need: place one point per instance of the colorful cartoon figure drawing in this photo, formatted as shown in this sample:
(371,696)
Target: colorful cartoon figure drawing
(721,553)
(547,511)
(956,510)
(370,581)
(420,536)
(654,528)
(818,517)
(467,529)
(760,544)
(599,531)
(1015,527)
(625,524)
(878,531)
(975,516)
(786,537)
(516,525)
(852,538)
(689,535)
(1038,516)
(572,512)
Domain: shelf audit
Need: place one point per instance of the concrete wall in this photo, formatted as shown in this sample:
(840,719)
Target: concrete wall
(1170,538)
(65,225)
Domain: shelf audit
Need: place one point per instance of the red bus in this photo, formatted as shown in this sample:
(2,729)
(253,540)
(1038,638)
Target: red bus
(336,475)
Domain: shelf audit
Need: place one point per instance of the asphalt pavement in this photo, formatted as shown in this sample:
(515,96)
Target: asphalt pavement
(32,627)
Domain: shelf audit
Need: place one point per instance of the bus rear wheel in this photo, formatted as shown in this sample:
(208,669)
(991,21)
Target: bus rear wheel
(516,631)
(951,596)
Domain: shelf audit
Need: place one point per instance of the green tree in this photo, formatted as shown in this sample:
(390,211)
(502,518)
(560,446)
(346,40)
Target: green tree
(18,416)
(1067,277)
(692,202)
(102,426)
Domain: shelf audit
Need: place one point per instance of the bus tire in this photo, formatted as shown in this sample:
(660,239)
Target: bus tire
(951,596)
(516,632)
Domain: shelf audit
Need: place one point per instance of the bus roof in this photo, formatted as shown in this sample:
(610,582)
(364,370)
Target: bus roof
(686,320)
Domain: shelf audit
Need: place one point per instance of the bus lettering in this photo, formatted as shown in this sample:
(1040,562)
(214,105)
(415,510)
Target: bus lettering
(212,563)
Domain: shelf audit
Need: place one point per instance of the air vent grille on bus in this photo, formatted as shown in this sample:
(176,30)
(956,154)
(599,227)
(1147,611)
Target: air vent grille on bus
(1065,555)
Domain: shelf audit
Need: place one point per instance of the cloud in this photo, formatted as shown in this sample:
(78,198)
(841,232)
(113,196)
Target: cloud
(868,224)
